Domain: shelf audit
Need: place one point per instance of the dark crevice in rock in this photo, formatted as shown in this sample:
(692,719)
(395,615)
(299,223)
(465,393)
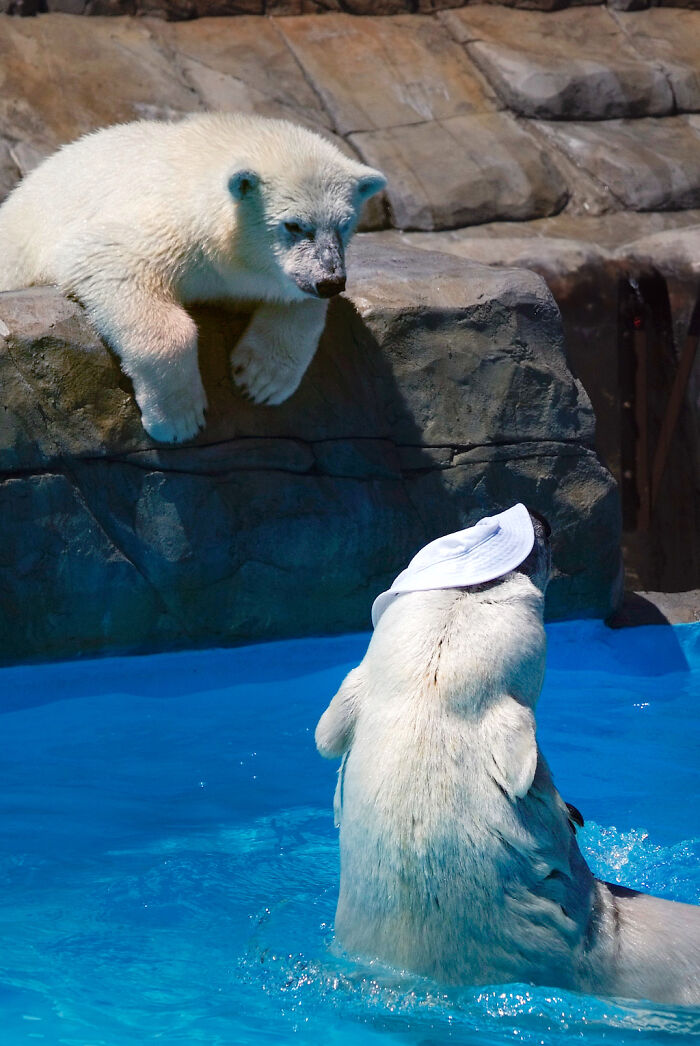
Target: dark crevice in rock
(230,468)
(622,26)
(174,58)
(308,80)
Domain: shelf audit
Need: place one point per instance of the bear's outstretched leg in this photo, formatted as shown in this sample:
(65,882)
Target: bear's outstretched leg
(276,348)
(156,341)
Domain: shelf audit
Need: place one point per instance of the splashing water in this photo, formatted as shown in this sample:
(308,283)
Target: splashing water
(169,866)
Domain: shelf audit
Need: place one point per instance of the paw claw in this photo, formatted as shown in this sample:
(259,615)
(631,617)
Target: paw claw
(263,379)
(260,385)
(178,418)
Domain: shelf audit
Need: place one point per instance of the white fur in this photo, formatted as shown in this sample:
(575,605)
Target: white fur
(138,219)
(458,860)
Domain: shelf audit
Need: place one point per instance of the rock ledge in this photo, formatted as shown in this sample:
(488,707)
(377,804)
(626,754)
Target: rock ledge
(433,400)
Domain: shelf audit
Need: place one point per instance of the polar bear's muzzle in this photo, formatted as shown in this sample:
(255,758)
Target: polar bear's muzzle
(320,266)
(329,288)
(331,265)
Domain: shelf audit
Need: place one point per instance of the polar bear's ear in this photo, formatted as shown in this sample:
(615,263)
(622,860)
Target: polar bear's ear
(336,726)
(242,182)
(370,183)
(511,738)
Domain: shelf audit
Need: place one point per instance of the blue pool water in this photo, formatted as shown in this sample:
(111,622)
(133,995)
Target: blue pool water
(169,865)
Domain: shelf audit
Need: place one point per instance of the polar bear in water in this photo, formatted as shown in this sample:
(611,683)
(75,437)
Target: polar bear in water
(137,220)
(458,857)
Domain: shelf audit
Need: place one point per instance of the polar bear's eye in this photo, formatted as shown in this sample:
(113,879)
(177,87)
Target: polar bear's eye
(298,231)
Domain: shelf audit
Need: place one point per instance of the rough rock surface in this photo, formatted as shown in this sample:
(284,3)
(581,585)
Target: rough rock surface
(647,164)
(499,96)
(490,167)
(250,69)
(579,65)
(671,39)
(9,170)
(62,76)
(374,75)
(187,9)
(431,401)
(588,264)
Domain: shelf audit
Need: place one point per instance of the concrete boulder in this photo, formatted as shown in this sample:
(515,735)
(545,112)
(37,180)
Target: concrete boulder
(671,39)
(439,393)
(646,164)
(575,64)
(601,271)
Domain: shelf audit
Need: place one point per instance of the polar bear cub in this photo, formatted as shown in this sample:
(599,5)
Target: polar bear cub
(459,859)
(139,219)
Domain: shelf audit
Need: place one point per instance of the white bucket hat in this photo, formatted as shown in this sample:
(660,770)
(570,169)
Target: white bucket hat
(492,547)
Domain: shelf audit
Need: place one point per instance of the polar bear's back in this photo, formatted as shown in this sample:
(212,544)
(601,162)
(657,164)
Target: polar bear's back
(136,177)
(427,842)
(159,185)
(428,836)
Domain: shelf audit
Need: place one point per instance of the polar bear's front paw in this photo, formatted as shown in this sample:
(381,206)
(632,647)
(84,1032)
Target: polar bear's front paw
(174,430)
(174,419)
(265,379)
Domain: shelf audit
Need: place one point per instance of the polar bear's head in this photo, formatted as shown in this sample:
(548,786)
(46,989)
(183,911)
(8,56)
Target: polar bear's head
(308,196)
(457,651)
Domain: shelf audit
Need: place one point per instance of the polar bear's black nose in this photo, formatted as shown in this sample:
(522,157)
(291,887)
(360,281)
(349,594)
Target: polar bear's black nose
(327,288)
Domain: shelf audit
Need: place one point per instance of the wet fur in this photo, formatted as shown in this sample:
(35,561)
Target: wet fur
(458,858)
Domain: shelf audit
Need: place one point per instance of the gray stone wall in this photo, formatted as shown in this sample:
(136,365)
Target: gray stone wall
(439,394)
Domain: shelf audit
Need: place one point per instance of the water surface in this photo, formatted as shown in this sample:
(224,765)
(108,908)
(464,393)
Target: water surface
(169,865)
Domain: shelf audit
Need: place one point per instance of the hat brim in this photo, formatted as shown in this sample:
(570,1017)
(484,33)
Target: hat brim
(492,558)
